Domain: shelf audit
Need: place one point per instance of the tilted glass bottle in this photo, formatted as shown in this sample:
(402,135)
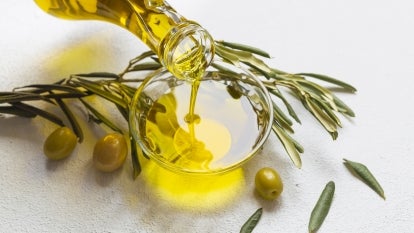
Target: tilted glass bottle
(183,46)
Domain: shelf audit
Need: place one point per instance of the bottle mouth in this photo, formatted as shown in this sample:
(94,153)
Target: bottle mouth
(187,51)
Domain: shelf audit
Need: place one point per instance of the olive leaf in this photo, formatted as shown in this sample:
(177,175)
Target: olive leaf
(291,112)
(135,61)
(145,66)
(251,223)
(282,119)
(237,56)
(245,48)
(136,152)
(322,117)
(319,92)
(42,88)
(342,107)
(77,129)
(12,97)
(99,75)
(330,80)
(101,117)
(321,209)
(16,111)
(290,146)
(224,70)
(65,95)
(130,91)
(96,89)
(124,112)
(141,57)
(366,176)
(39,112)
(297,145)
(329,112)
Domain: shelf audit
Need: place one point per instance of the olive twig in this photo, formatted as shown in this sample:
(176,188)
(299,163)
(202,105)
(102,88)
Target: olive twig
(324,105)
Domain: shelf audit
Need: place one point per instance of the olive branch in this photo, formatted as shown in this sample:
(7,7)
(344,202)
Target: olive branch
(117,89)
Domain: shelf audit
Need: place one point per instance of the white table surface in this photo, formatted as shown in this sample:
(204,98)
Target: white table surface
(369,44)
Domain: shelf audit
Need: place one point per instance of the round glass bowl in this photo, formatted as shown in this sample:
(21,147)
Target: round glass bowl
(231,119)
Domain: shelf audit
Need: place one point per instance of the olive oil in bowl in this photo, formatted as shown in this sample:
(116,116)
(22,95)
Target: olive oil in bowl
(223,124)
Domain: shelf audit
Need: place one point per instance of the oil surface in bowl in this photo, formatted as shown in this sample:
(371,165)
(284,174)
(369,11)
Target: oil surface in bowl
(221,130)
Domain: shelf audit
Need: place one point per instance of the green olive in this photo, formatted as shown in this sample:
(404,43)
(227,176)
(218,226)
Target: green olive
(60,143)
(234,91)
(110,152)
(268,183)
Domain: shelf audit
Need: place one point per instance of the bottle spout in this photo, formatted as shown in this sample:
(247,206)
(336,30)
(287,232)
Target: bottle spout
(187,50)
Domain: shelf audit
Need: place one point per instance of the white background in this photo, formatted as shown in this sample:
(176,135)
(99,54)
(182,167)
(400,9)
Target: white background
(366,43)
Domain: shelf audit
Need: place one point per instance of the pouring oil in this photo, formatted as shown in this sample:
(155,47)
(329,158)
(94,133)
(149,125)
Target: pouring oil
(194,139)
(211,134)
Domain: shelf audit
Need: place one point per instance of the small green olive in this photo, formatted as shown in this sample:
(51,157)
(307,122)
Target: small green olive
(110,152)
(60,143)
(268,183)
(234,91)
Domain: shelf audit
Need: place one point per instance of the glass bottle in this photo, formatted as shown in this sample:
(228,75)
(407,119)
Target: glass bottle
(183,46)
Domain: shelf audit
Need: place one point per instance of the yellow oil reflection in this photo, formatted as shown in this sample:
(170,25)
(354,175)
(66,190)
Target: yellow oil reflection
(83,54)
(205,192)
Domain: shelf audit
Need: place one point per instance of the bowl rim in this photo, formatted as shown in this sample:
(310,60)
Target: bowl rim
(136,136)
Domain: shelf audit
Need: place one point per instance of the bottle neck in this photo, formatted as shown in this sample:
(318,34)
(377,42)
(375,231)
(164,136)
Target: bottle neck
(183,47)
(187,50)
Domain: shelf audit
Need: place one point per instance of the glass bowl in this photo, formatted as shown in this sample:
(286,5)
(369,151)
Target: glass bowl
(231,121)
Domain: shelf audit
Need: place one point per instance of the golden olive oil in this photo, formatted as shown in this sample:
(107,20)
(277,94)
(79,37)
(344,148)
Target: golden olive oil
(198,133)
